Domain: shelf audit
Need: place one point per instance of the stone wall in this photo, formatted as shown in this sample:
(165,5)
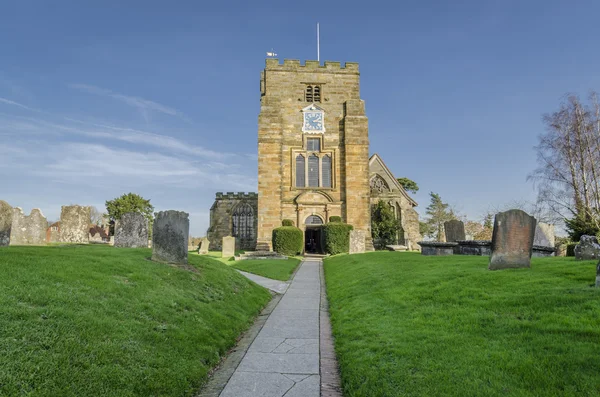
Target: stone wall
(6,215)
(74,224)
(28,230)
(221,219)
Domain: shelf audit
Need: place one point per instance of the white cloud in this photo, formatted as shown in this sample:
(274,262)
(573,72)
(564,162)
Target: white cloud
(17,104)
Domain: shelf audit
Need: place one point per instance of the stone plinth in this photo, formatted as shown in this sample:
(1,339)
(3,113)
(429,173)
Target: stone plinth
(170,233)
(28,230)
(474,247)
(454,230)
(437,248)
(228,247)
(131,231)
(74,224)
(541,251)
(357,241)
(204,246)
(587,249)
(512,240)
(6,216)
(396,247)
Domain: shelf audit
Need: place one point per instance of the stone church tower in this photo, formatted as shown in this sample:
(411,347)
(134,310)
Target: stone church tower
(313,149)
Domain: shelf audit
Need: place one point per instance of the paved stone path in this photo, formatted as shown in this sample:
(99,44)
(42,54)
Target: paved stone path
(274,285)
(284,357)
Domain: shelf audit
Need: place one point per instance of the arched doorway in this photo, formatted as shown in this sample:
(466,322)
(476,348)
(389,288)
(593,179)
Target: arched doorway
(313,235)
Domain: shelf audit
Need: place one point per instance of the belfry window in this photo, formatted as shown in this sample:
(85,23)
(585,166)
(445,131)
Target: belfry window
(243,221)
(312,93)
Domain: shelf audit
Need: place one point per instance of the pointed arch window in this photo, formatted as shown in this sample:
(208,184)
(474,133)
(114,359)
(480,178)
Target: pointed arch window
(300,171)
(313,170)
(326,170)
(243,221)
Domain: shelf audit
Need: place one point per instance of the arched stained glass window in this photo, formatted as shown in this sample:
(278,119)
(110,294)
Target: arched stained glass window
(243,221)
(326,170)
(313,171)
(314,220)
(300,171)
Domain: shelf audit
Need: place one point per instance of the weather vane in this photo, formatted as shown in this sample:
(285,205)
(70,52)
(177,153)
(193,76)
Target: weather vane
(271,54)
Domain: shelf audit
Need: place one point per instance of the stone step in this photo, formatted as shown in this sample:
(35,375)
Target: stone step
(261,255)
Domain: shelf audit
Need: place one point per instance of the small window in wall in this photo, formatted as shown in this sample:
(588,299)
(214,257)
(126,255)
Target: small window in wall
(243,221)
(316,94)
(300,171)
(312,93)
(313,144)
(313,171)
(314,220)
(326,170)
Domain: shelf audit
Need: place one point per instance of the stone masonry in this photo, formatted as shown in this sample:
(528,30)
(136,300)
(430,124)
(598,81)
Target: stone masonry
(28,230)
(170,234)
(74,224)
(225,212)
(131,231)
(280,140)
(512,240)
(6,215)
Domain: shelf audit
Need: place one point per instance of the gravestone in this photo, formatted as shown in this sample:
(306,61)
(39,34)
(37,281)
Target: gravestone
(588,248)
(228,247)
(111,240)
(357,241)
(131,231)
(598,275)
(28,230)
(544,235)
(512,240)
(170,234)
(204,244)
(74,224)
(455,231)
(6,215)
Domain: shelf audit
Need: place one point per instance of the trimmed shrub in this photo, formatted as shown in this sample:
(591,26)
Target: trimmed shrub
(287,222)
(287,240)
(335,219)
(571,249)
(337,237)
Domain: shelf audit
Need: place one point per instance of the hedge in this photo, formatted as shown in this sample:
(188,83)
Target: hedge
(287,240)
(335,219)
(337,237)
(287,222)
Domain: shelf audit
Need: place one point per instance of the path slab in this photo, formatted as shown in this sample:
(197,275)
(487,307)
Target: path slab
(274,285)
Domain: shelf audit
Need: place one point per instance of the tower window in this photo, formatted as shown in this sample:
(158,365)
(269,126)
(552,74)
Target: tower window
(326,170)
(313,144)
(243,221)
(300,172)
(313,171)
(312,93)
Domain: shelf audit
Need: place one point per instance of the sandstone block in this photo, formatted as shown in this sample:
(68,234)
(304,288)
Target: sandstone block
(131,231)
(74,224)
(512,240)
(228,247)
(204,245)
(357,241)
(6,215)
(170,233)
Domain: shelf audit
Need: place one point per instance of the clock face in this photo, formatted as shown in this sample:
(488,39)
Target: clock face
(313,121)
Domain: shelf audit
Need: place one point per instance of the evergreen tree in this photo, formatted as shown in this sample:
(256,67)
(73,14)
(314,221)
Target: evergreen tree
(408,184)
(130,202)
(439,212)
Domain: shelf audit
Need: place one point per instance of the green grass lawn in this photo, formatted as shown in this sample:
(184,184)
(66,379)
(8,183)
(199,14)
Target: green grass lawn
(276,269)
(104,321)
(412,325)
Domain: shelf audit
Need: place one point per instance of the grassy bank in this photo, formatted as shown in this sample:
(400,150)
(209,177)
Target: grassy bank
(103,321)
(276,269)
(408,325)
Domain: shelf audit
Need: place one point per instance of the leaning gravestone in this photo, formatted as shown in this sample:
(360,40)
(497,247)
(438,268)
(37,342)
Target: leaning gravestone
(170,234)
(512,240)
(204,244)
(357,241)
(131,231)
(6,215)
(28,230)
(588,248)
(455,231)
(228,247)
(74,224)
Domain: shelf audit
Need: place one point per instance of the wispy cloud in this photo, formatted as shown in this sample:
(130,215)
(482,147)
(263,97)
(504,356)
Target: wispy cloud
(145,106)
(17,104)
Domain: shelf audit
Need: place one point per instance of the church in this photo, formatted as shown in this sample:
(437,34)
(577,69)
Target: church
(313,162)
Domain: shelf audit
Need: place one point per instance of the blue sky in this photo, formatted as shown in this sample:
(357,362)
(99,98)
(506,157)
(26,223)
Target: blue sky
(162,98)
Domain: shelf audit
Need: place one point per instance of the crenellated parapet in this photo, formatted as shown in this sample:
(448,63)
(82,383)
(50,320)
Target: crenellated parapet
(236,196)
(311,66)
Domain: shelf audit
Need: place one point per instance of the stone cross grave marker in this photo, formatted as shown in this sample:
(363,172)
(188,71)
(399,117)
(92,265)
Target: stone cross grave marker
(228,247)
(357,241)
(512,240)
(170,234)
(204,244)
(131,231)
(6,215)
(455,231)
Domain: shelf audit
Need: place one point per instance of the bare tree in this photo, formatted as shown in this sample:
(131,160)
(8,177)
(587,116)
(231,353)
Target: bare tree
(96,217)
(568,154)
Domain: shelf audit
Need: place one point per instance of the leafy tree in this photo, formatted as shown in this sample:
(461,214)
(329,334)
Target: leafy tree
(408,184)
(439,212)
(384,225)
(130,202)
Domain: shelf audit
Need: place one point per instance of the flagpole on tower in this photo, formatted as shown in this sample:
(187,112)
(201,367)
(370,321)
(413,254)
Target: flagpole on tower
(318,44)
